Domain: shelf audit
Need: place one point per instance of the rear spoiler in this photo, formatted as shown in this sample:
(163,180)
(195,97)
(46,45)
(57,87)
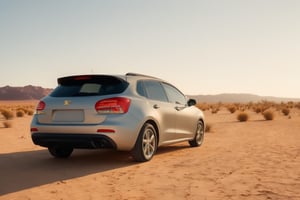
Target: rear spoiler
(79,79)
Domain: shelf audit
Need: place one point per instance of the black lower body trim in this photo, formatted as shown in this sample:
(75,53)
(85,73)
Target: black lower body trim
(81,141)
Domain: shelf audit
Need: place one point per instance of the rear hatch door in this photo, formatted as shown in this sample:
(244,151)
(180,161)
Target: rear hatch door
(73,101)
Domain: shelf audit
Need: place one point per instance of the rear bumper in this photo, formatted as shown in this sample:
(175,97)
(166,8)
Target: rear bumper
(82,141)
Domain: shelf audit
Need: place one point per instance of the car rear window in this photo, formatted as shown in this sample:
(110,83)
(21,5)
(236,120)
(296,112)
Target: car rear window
(91,85)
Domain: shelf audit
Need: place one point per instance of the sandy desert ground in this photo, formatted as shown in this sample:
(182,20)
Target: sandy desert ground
(257,159)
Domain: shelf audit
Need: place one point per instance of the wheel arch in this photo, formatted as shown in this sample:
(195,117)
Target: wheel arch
(202,120)
(154,124)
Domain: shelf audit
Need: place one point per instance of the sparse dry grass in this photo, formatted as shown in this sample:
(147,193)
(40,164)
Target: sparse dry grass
(258,107)
(268,110)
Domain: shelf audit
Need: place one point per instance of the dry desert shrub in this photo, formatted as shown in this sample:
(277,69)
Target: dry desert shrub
(231,109)
(285,111)
(290,104)
(7,124)
(297,105)
(20,113)
(243,117)
(202,106)
(7,114)
(250,105)
(241,106)
(257,110)
(265,105)
(30,112)
(215,110)
(262,106)
(207,128)
(268,115)
(284,105)
(22,109)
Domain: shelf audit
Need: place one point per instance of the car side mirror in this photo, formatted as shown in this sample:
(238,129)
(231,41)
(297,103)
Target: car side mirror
(191,102)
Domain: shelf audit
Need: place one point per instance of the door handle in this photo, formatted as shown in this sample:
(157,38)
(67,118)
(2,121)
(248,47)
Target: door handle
(156,106)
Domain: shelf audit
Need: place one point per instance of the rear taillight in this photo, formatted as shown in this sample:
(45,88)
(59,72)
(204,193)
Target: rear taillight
(117,105)
(41,106)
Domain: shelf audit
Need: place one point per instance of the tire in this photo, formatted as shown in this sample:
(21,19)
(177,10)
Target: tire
(60,152)
(199,135)
(146,144)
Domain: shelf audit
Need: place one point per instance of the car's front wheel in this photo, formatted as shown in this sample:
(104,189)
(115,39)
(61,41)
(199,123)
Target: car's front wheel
(199,135)
(146,144)
(60,152)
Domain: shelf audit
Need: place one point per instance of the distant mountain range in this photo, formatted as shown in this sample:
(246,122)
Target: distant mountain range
(35,92)
(23,93)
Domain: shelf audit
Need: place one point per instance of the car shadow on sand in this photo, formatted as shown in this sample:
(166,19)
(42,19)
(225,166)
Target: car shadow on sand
(24,170)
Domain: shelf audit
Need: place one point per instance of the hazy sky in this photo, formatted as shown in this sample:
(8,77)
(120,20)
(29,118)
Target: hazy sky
(201,46)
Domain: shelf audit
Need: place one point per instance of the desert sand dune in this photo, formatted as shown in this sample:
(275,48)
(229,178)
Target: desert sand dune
(256,159)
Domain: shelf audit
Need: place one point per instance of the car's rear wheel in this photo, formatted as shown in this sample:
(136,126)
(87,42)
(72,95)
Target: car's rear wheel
(60,152)
(146,144)
(199,135)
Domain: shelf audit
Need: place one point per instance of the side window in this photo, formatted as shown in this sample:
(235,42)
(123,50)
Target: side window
(140,89)
(155,91)
(174,95)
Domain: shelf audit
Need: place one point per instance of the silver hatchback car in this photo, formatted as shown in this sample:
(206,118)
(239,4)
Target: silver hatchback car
(131,112)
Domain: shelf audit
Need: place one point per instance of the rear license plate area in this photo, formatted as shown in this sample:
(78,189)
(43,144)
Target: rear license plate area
(68,116)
